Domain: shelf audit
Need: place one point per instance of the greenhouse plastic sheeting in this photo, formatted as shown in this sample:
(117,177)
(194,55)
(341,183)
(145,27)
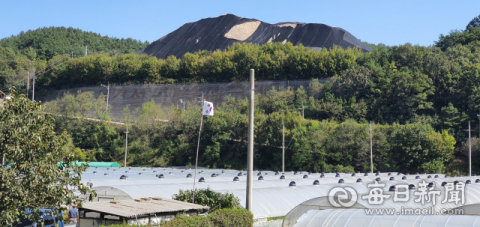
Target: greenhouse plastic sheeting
(358,218)
(275,202)
(272,196)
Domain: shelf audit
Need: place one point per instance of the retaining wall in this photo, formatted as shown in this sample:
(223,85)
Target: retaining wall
(168,95)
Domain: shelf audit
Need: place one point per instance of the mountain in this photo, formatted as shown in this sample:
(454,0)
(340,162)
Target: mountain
(51,41)
(220,32)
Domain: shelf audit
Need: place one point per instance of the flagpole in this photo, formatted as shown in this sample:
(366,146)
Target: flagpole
(196,160)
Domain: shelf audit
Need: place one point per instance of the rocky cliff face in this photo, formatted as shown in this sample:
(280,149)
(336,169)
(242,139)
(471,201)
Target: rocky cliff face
(220,32)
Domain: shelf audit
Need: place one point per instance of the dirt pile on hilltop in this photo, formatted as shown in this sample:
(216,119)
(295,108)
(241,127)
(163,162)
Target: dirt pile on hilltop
(220,32)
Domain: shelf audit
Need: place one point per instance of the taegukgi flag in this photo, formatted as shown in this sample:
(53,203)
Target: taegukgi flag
(207,108)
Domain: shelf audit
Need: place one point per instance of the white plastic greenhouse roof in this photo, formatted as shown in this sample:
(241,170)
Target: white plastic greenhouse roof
(275,202)
(272,196)
(358,218)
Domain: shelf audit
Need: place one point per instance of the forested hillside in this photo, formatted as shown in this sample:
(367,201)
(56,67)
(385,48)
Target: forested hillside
(48,42)
(43,48)
(168,136)
(420,98)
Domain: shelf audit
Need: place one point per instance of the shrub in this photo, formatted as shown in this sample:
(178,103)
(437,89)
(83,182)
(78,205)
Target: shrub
(218,218)
(231,217)
(186,221)
(210,198)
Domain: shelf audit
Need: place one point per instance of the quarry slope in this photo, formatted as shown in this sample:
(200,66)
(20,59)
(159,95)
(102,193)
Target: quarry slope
(220,32)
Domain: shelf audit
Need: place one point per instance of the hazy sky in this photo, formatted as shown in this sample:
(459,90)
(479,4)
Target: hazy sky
(375,21)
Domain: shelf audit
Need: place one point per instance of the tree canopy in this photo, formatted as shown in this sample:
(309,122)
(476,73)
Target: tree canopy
(47,42)
(33,179)
(475,22)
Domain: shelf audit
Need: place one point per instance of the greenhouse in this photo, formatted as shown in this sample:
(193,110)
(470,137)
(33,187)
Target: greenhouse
(274,194)
(358,218)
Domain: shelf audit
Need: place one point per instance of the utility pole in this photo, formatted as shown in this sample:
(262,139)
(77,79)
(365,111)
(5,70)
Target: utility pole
(250,141)
(108,95)
(371,149)
(126,144)
(283,147)
(33,89)
(183,103)
(303,111)
(71,55)
(86,50)
(28,83)
(469,151)
(478,115)
(201,102)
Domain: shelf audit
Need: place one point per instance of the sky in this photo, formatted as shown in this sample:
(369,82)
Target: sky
(391,22)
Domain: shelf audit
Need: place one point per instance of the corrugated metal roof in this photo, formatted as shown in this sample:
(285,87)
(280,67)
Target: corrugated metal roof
(131,208)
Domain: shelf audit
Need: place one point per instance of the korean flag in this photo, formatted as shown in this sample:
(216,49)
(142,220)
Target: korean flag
(207,108)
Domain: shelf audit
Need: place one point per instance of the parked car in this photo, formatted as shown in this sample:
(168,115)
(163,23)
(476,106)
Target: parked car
(47,218)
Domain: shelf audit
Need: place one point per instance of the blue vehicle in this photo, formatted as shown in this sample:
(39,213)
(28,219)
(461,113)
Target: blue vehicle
(47,218)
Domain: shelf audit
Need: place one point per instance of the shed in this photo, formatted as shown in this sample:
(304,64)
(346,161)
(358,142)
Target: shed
(139,211)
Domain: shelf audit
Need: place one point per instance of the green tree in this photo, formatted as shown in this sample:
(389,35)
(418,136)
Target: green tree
(451,118)
(475,22)
(34,179)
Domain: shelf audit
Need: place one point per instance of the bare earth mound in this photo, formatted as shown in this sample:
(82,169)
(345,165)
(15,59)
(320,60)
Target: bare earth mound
(220,32)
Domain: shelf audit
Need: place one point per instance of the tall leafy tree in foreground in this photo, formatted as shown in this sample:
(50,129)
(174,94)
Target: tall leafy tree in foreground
(35,178)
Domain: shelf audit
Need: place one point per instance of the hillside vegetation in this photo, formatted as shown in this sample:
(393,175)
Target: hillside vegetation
(313,144)
(420,99)
(37,49)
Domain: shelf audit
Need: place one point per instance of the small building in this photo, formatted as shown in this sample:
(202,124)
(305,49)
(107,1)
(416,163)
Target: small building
(138,211)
